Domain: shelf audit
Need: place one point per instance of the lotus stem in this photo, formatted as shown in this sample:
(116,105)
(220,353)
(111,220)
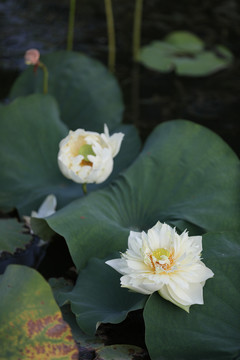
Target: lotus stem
(137,28)
(111,35)
(45,76)
(71,20)
(84,187)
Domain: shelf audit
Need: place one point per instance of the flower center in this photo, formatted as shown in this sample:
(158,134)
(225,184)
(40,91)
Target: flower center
(86,150)
(160,260)
(161,253)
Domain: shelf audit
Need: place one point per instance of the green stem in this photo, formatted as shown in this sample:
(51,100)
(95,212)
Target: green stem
(84,187)
(111,35)
(45,76)
(137,28)
(71,20)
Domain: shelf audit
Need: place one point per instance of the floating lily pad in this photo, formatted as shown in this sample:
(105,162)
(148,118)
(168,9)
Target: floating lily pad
(31,322)
(88,95)
(210,331)
(185,41)
(185,53)
(186,176)
(30,132)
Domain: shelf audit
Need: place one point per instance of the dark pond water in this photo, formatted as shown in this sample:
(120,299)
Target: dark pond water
(150,97)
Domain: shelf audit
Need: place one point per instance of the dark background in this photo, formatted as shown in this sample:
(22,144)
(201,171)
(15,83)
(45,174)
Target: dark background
(149,97)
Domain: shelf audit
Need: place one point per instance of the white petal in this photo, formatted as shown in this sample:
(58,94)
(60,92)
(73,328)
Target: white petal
(166,234)
(196,273)
(154,239)
(135,242)
(190,296)
(165,294)
(47,208)
(196,245)
(120,265)
(138,266)
(137,285)
(113,141)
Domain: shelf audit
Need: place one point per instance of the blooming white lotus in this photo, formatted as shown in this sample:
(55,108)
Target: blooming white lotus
(87,157)
(164,261)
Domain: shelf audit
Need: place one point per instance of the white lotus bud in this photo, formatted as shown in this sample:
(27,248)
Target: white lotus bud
(87,157)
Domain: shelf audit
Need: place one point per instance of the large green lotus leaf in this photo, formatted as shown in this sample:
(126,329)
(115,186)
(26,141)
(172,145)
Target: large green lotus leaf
(31,322)
(210,331)
(60,288)
(87,93)
(12,236)
(186,176)
(98,297)
(30,132)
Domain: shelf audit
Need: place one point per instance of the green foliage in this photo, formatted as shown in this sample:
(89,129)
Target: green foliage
(12,236)
(29,166)
(89,343)
(185,41)
(210,331)
(185,53)
(97,297)
(87,94)
(185,176)
(30,132)
(31,322)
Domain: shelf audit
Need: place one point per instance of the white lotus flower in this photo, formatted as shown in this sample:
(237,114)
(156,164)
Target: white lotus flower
(87,157)
(164,261)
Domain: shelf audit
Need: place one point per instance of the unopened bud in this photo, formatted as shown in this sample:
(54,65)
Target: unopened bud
(31,57)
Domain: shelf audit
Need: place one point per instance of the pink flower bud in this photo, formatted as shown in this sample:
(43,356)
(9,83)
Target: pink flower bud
(31,57)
